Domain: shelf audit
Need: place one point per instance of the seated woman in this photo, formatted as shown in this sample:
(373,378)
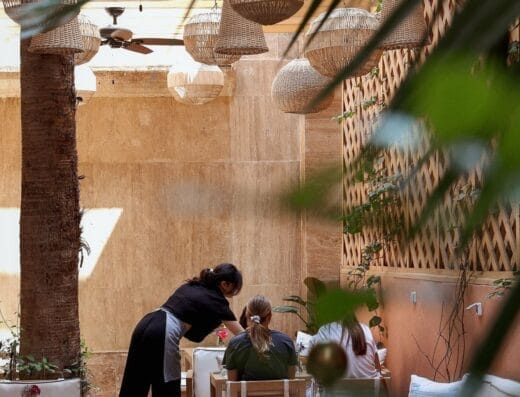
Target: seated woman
(260,353)
(358,343)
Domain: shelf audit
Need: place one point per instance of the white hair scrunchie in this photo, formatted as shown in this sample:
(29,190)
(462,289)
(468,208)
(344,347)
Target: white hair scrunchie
(255,319)
(211,269)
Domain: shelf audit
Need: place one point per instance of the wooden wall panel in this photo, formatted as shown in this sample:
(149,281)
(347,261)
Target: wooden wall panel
(323,238)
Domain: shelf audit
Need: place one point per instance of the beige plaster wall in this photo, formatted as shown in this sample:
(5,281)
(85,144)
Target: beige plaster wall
(197,185)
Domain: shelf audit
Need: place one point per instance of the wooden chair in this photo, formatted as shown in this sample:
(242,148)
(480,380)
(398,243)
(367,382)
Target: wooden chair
(271,388)
(352,387)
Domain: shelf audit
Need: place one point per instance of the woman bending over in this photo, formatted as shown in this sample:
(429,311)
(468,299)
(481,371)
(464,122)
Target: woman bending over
(194,310)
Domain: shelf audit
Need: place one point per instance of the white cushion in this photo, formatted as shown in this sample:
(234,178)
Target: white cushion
(422,387)
(204,363)
(381,355)
(494,386)
(302,343)
(48,388)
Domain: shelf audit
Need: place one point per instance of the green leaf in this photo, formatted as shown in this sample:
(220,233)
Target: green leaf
(373,279)
(372,302)
(336,304)
(374,321)
(315,286)
(286,309)
(296,299)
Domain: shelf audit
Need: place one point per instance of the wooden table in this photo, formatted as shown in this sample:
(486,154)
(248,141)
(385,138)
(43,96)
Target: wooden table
(218,383)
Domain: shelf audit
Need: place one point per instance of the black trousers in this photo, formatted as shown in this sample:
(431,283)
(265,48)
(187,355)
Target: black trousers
(144,364)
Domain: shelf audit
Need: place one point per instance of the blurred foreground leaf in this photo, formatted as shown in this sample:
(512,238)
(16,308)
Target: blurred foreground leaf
(45,15)
(337,303)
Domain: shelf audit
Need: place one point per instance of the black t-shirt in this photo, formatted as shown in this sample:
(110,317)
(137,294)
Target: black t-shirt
(202,307)
(241,356)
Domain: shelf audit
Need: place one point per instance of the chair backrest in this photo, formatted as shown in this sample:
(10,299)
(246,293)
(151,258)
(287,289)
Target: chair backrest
(204,363)
(271,388)
(357,387)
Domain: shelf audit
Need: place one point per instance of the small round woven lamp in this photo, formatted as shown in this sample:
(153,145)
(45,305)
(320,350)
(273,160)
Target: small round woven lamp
(85,83)
(65,39)
(195,85)
(91,40)
(238,35)
(343,34)
(266,12)
(200,39)
(410,31)
(296,85)
(21,11)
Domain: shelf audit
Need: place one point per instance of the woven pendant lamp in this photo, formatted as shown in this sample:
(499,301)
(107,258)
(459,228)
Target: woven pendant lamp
(22,11)
(85,83)
(90,38)
(343,34)
(239,36)
(410,31)
(65,39)
(266,12)
(296,85)
(200,39)
(195,85)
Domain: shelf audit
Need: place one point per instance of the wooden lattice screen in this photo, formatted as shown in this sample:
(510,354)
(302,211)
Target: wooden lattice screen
(496,249)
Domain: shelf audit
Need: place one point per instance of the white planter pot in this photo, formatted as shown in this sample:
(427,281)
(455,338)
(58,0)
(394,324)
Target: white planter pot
(48,388)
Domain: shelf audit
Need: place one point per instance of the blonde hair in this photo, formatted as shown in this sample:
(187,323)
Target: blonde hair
(257,310)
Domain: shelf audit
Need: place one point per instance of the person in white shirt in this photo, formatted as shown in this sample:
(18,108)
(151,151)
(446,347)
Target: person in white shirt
(358,343)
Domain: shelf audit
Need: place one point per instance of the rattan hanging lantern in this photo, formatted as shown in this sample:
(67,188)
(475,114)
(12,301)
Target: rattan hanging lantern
(195,84)
(296,85)
(238,35)
(85,83)
(200,38)
(343,34)
(410,31)
(58,12)
(90,38)
(65,39)
(266,12)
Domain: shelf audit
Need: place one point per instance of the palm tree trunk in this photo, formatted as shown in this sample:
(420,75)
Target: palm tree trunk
(50,215)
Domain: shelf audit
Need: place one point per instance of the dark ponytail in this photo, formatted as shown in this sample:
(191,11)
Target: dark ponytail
(356,334)
(212,278)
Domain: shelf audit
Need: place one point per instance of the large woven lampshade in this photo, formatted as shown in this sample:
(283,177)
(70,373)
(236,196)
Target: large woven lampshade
(85,83)
(21,11)
(266,12)
(65,39)
(409,32)
(343,34)
(296,85)
(238,35)
(200,39)
(90,38)
(195,85)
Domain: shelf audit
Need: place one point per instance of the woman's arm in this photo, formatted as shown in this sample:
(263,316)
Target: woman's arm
(234,327)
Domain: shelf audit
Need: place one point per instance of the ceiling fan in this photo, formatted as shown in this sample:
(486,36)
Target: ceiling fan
(119,37)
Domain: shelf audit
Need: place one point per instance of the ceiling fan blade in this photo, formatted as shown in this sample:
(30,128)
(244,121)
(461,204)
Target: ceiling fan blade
(157,41)
(122,34)
(136,47)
